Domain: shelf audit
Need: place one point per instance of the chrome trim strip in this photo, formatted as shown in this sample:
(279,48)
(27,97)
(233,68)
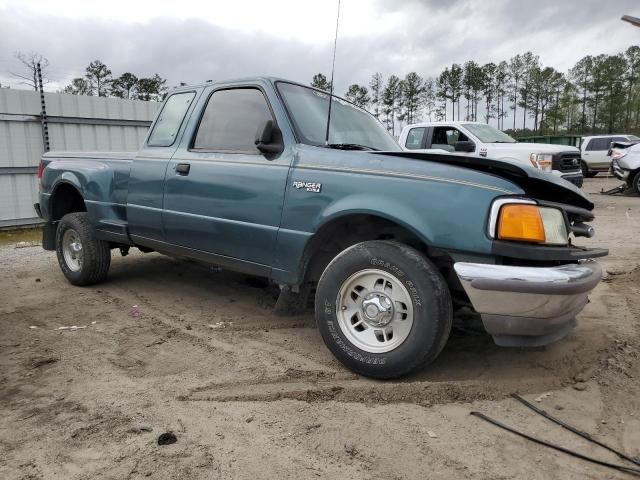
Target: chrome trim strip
(539,294)
(220,220)
(108,204)
(403,175)
(237,161)
(568,279)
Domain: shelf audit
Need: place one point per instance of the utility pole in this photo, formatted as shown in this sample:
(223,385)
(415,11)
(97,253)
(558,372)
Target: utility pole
(43,112)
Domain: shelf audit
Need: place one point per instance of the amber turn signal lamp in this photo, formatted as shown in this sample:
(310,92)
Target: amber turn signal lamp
(522,223)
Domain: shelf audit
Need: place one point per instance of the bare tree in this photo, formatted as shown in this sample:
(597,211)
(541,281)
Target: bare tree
(377,86)
(29,75)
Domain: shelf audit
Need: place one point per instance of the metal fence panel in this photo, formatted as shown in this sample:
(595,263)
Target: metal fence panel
(78,123)
(17,196)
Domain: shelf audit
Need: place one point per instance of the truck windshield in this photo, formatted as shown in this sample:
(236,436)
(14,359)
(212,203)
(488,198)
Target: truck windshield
(488,134)
(350,125)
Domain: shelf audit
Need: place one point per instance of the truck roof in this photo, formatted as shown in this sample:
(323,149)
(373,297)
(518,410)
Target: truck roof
(272,80)
(445,122)
(248,80)
(230,80)
(609,135)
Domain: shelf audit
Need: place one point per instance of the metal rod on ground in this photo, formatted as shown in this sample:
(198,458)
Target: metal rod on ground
(43,112)
(621,468)
(582,434)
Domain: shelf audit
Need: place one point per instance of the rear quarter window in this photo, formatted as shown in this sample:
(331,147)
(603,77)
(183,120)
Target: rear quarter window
(600,144)
(171,117)
(415,138)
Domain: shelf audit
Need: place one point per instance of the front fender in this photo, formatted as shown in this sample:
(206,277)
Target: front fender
(406,215)
(442,215)
(631,161)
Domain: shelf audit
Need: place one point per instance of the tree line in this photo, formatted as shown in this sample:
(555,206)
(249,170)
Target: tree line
(598,94)
(98,81)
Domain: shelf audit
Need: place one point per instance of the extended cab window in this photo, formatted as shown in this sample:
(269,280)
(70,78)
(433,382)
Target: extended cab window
(415,138)
(231,120)
(171,117)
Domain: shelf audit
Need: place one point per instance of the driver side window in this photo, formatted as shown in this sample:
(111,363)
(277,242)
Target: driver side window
(231,119)
(445,138)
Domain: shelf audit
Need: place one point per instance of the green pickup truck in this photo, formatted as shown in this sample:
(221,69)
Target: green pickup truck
(242,174)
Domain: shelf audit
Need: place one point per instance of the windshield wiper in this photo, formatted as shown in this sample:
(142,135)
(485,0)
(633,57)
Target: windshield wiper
(348,146)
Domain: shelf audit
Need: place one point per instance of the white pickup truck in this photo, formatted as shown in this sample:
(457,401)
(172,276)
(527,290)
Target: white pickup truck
(480,139)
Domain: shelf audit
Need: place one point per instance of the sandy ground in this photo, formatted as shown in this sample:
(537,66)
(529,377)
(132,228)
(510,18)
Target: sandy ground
(259,396)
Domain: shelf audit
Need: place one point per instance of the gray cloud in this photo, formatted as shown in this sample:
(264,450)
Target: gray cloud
(434,34)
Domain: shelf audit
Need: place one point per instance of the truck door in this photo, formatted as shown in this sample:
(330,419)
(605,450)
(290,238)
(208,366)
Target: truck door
(146,177)
(595,153)
(222,195)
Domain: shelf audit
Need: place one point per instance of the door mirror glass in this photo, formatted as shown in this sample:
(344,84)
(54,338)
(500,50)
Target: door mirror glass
(269,138)
(465,146)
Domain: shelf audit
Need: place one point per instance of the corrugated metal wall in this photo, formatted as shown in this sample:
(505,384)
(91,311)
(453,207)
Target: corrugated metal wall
(75,123)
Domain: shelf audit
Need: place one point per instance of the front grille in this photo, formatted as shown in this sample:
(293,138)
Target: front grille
(566,161)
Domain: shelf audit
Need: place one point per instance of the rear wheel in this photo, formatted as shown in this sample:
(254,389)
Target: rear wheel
(83,259)
(383,309)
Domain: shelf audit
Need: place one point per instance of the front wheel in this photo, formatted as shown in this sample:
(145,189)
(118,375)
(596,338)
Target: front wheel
(83,259)
(636,183)
(586,172)
(585,169)
(383,309)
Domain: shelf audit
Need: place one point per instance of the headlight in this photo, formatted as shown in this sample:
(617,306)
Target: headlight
(543,161)
(530,223)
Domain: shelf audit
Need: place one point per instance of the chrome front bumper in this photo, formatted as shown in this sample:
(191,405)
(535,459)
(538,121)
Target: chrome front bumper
(528,306)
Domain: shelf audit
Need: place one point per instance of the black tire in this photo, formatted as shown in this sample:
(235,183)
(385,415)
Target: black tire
(96,254)
(430,297)
(635,184)
(586,172)
(585,169)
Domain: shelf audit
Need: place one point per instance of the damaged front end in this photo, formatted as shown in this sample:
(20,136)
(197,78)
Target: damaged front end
(540,281)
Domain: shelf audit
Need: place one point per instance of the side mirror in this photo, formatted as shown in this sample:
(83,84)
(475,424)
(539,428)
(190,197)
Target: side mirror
(465,146)
(269,138)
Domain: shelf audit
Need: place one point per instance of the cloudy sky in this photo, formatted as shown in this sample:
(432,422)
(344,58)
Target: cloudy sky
(195,40)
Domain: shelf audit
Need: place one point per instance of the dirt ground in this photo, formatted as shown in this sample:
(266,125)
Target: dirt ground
(182,347)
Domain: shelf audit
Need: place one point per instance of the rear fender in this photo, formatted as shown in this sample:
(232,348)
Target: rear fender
(93,180)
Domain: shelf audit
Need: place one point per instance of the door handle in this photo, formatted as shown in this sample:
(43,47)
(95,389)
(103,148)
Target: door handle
(183,168)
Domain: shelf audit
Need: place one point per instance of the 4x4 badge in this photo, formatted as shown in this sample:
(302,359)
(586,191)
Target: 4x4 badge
(308,186)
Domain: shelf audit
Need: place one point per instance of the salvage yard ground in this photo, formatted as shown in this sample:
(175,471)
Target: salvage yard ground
(184,347)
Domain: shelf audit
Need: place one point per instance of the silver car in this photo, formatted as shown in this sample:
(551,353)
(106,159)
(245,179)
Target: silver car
(625,163)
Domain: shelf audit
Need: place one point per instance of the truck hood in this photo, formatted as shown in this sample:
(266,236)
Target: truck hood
(531,147)
(537,184)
